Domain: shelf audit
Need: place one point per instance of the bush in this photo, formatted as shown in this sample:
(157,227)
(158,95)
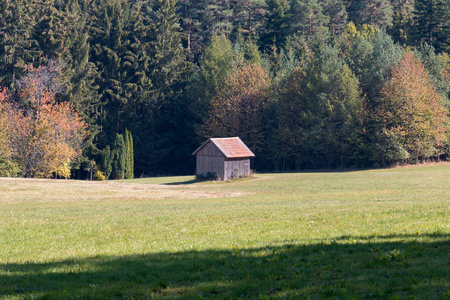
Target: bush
(8,168)
(99,176)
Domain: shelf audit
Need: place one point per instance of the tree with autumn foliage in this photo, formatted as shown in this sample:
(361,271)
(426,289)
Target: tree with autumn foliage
(45,136)
(411,115)
(238,108)
(4,132)
(8,167)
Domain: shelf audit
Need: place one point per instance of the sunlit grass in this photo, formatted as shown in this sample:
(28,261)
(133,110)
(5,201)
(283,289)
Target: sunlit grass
(379,234)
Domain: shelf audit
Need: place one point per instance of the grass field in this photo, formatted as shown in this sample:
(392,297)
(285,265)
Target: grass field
(381,234)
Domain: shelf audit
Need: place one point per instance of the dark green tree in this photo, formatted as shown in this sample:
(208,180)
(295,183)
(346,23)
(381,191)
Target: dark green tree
(431,23)
(119,161)
(129,155)
(402,21)
(337,15)
(307,21)
(375,12)
(168,67)
(106,161)
(277,24)
(18,48)
(249,17)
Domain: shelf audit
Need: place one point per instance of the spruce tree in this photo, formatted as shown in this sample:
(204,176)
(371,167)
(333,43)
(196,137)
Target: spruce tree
(106,38)
(18,48)
(168,67)
(431,23)
(402,21)
(276,27)
(340,113)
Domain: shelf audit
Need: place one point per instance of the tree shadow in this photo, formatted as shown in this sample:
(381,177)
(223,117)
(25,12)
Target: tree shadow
(373,268)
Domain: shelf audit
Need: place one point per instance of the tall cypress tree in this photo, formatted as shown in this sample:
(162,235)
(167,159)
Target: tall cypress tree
(129,155)
(119,161)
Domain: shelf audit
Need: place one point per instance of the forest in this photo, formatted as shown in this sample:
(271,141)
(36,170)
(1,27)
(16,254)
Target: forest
(112,89)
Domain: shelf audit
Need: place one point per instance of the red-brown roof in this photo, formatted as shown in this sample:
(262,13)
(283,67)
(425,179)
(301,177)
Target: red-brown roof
(232,147)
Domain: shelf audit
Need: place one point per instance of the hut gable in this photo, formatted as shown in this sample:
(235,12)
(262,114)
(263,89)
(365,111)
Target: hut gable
(224,157)
(232,147)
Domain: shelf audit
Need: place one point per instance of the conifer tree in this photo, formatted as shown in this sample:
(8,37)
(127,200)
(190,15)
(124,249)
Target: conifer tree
(337,14)
(277,24)
(340,111)
(119,161)
(106,161)
(18,48)
(106,38)
(402,21)
(431,23)
(168,67)
(129,155)
(375,12)
(307,20)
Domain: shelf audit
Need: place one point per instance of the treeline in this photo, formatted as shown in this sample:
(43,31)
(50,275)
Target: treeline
(307,84)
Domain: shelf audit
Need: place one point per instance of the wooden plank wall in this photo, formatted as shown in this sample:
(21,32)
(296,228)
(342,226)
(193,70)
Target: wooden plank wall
(240,165)
(210,160)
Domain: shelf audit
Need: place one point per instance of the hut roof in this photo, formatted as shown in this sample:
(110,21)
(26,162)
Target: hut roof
(232,147)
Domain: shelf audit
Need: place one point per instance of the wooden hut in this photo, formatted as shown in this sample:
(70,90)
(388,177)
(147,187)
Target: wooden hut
(223,157)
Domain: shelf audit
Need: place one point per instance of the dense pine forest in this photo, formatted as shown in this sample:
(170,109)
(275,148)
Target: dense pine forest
(123,88)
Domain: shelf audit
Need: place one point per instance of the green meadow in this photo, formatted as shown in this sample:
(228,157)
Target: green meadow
(377,234)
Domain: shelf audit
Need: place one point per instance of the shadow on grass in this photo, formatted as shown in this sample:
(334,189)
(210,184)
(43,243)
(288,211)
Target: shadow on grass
(344,269)
(191,181)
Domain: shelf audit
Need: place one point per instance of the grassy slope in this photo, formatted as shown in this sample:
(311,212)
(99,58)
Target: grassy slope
(369,234)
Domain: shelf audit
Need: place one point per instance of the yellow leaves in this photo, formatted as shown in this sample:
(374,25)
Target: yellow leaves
(351,32)
(63,170)
(368,31)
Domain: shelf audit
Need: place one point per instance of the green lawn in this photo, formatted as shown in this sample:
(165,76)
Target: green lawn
(381,234)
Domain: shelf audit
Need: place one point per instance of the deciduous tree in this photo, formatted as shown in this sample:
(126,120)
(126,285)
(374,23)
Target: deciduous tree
(411,111)
(44,134)
(238,109)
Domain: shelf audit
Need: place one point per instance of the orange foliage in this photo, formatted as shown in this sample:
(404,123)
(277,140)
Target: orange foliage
(45,135)
(411,109)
